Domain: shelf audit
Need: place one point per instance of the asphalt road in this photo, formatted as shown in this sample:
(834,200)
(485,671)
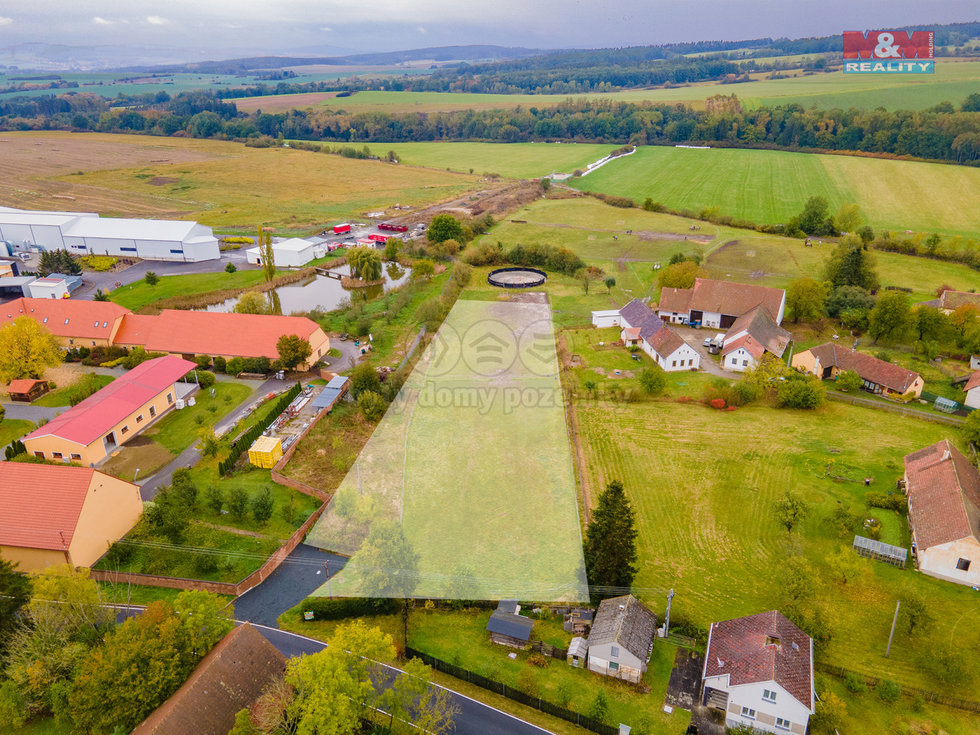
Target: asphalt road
(474,718)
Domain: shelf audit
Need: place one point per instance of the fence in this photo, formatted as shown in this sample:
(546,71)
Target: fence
(518,696)
(245,440)
(903,410)
(955,702)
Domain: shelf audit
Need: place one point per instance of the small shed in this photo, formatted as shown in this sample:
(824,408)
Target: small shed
(27,390)
(331,393)
(880,551)
(578,620)
(265,452)
(508,628)
(578,652)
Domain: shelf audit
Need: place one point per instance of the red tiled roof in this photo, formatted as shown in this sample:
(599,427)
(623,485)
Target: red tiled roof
(972,382)
(229,678)
(67,317)
(953,299)
(768,335)
(727,297)
(675,299)
(40,504)
(893,377)
(213,333)
(665,341)
(23,385)
(738,648)
(752,346)
(944,495)
(97,414)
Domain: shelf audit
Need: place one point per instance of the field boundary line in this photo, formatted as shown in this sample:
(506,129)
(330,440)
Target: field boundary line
(901,410)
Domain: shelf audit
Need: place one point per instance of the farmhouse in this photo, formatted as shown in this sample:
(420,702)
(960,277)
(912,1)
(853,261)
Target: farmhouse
(292,253)
(62,515)
(943,489)
(718,303)
(759,671)
(950,301)
(230,678)
(829,360)
(85,233)
(508,627)
(621,639)
(644,329)
(751,336)
(972,389)
(27,390)
(90,431)
(73,323)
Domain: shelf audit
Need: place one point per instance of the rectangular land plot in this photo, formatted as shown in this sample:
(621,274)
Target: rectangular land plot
(473,459)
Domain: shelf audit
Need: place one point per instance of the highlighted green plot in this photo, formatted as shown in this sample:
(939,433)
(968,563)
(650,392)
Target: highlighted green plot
(473,462)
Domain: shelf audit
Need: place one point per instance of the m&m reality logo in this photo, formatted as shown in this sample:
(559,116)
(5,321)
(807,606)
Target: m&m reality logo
(888,52)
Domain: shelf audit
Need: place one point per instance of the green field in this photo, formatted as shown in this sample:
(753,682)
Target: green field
(137,295)
(703,484)
(450,463)
(771,186)
(515,160)
(11,429)
(77,390)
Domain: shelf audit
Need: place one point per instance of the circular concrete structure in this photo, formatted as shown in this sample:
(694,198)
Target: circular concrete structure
(516,277)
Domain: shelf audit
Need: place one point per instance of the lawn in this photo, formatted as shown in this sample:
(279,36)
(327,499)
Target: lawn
(139,457)
(137,295)
(11,429)
(84,386)
(179,429)
(218,183)
(703,485)
(897,195)
(449,461)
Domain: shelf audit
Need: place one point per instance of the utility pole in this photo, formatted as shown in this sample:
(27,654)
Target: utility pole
(670,596)
(898,604)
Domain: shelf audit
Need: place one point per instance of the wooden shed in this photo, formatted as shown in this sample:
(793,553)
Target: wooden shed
(27,390)
(265,452)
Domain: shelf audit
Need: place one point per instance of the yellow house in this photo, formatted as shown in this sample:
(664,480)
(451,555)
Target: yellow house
(265,451)
(56,515)
(74,323)
(90,431)
(829,360)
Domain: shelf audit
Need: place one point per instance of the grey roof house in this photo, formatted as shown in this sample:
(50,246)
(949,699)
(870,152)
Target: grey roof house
(507,627)
(621,639)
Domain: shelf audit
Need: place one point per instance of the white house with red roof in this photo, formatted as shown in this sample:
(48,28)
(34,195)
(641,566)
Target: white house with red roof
(644,329)
(53,515)
(943,489)
(972,389)
(718,304)
(750,337)
(759,671)
(90,431)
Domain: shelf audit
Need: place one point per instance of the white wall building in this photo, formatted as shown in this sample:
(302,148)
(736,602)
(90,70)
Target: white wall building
(972,389)
(751,336)
(292,253)
(85,233)
(644,329)
(48,288)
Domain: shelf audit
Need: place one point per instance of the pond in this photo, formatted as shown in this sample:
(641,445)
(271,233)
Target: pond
(323,292)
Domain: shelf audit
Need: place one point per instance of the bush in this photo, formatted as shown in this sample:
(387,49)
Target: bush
(262,506)
(801,393)
(339,608)
(214,498)
(888,501)
(849,381)
(888,691)
(220,364)
(238,502)
(372,405)
(855,683)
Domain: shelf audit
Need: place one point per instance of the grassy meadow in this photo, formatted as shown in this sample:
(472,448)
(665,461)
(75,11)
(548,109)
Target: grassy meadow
(222,184)
(514,160)
(771,186)
(139,294)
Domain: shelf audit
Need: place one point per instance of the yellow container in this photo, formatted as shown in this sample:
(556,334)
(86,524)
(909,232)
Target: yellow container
(265,452)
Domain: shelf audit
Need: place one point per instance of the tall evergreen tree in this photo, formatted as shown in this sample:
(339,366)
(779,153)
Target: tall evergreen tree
(610,543)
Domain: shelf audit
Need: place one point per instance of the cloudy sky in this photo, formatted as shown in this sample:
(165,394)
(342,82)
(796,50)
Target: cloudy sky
(209,26)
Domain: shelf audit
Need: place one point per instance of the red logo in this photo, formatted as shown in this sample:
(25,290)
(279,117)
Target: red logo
(888,45)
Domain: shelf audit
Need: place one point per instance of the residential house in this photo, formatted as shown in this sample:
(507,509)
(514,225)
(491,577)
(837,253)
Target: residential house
(750,337)
(972,389)
(53,515)
(718,304)
(74,323)
(508,627)
(952,300)
(644,329)
(90,431)
(943,489)
(621,639)
(829,360)
(26,390)
(231,677)
(759,671)
(974,362)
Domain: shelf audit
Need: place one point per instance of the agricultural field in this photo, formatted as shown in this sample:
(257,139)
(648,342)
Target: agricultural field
(444,463)
(703,484)
(222,184)
(770,186)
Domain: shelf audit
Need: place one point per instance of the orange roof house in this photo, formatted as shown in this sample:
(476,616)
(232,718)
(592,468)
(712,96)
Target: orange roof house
(829,360)
(230,678)
(91,430)
(943,489)
(55,515)
(718,303)
(75,323)
(27,389)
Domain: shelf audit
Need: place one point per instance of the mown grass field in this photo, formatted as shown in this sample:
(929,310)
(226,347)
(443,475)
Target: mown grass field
(703,484)
(137,295)
(771,186)
(11,429)
(515,160)
(222,184)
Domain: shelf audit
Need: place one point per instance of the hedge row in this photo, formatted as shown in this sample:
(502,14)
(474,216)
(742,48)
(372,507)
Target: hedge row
(243,442)
(338,608)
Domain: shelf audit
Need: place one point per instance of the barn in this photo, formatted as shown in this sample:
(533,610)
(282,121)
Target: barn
(292,253)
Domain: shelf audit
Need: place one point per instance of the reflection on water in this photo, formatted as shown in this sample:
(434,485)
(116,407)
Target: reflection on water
(323,292)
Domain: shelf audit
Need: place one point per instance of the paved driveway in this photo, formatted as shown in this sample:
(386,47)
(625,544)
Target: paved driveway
(31,413)
(695,338)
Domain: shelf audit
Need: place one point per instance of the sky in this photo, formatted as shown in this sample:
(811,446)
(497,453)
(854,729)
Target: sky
(209,27)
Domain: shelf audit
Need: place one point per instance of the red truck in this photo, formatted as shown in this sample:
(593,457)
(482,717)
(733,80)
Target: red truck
(340,229)
(386,227)
(377,238)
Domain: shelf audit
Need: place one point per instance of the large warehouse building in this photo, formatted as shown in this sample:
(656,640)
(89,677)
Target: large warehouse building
(85,233)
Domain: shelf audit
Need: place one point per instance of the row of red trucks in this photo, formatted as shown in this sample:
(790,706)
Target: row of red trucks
(384,227)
